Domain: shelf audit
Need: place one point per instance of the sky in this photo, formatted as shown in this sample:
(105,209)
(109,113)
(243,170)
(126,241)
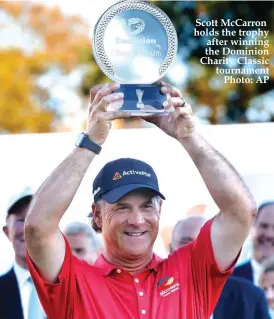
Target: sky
(89,10)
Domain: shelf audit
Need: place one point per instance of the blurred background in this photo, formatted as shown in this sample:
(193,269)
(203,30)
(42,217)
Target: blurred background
(47,69)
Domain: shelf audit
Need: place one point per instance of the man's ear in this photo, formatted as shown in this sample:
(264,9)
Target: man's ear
(97,215)
(6,231)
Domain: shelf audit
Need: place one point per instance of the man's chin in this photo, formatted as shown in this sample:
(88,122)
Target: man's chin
(265,257)
(142,251)
(21,253)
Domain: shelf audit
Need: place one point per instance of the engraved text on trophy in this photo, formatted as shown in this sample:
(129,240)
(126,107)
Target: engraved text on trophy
(133,43)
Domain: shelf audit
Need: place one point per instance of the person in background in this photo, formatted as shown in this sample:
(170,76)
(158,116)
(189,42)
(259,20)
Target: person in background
(240,299)
(262,243)
(83,241)
(266,281)
(18,297)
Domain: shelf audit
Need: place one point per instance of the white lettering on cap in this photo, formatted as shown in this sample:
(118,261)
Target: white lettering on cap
(133,172)
(97,190)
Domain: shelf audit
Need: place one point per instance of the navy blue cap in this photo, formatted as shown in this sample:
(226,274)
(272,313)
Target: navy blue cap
(118,178)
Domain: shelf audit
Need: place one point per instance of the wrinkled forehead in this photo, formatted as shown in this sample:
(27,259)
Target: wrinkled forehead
(140,194)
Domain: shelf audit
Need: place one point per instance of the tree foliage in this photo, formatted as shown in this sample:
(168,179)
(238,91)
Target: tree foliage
(18,112)
(52,41)
(228,103)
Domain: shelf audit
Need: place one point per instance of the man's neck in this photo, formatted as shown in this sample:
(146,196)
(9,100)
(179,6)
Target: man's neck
(131,265)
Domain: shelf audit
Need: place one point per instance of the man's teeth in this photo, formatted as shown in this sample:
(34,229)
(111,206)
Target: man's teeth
(134,234)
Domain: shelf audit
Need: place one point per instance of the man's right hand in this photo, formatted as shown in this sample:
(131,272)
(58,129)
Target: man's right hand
(99,119)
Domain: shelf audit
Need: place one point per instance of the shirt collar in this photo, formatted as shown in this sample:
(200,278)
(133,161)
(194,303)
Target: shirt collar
(21,274)
(257,270)
(255,265)
(106,267)
(271,312)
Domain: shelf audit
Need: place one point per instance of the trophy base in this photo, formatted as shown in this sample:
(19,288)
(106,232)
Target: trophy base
(141,100)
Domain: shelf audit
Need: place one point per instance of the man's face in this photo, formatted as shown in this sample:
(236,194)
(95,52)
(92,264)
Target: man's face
(14,230)
(130,226)
(81,246)
(263,234)
(186,231)
(268,286)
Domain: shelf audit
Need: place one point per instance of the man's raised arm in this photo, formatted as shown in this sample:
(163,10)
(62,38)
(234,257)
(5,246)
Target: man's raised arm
(45,243)
(237,207)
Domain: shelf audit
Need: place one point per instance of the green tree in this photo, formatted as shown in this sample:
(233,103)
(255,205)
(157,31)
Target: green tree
(228,103)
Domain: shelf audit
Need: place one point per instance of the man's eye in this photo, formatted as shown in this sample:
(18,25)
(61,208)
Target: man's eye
(148,206)
(121,208)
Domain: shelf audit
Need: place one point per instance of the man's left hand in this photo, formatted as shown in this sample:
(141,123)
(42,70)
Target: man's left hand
(180,123)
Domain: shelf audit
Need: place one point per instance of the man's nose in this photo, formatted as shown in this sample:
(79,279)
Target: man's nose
(20,228)
(136,218)
(269,231)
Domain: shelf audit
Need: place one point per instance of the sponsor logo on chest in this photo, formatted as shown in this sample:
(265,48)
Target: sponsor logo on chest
(167,285)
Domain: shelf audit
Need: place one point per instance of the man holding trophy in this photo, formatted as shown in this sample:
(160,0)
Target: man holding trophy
(128,280)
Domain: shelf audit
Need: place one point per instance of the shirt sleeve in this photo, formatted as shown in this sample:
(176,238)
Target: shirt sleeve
(208,279)
(55,298)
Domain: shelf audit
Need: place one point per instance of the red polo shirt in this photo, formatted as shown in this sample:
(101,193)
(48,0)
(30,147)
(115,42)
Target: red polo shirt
(186,285)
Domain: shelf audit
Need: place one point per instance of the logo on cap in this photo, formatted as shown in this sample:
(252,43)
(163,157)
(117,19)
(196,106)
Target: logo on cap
(133,172)
(116,176)
(97,190)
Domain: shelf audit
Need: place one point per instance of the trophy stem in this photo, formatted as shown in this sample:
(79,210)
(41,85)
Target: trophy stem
(145,98)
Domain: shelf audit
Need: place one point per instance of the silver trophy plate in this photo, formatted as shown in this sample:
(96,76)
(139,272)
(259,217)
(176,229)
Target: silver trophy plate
(135,43)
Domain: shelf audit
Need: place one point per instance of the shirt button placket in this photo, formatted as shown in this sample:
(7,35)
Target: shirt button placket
(141,300)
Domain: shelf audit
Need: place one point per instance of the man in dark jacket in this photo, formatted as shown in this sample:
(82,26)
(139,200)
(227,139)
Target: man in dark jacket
(262,241)
(18,297)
